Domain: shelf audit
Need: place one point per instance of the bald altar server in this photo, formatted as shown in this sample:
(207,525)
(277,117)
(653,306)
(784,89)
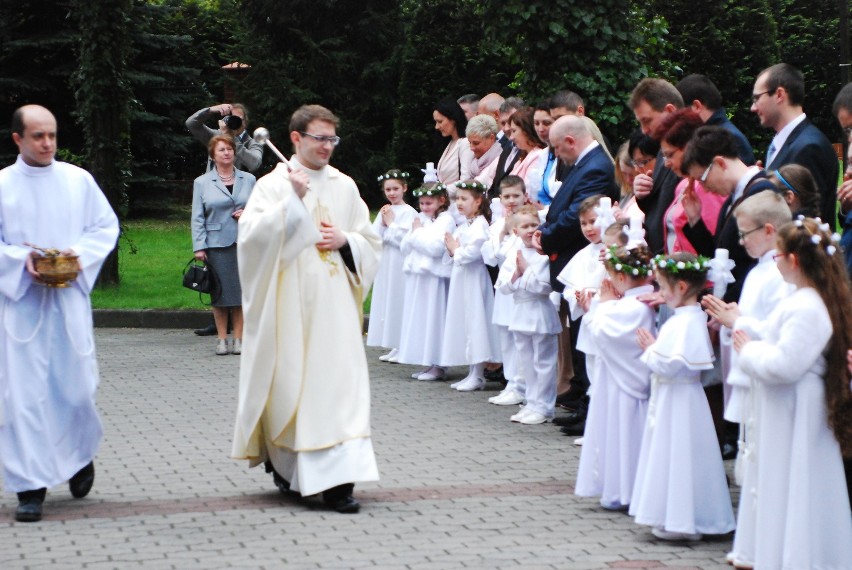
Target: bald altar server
(308,255)
(49,426)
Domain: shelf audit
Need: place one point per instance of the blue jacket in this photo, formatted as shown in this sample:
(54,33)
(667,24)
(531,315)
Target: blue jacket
(212,205)
(561,236)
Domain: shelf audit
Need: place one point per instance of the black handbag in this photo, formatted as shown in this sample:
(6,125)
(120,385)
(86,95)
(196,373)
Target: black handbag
(200,277)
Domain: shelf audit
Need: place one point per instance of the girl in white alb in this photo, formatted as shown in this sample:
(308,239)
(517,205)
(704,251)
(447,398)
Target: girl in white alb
(534,322)
(469,337)
(427,281)
(681,489)
(613,434)
(502,244)
(794,512)
(392,224)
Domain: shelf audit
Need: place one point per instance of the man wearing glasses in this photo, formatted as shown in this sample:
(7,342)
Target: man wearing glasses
(308,255)
(777,98)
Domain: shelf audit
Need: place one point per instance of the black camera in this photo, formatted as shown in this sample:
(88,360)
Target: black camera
(233,122)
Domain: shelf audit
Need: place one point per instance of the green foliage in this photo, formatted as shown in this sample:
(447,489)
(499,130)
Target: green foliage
(443,52)
(332,52)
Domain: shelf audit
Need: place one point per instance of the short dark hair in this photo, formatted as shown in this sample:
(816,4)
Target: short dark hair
(543,105)
(469,98)
(306,114)
(567,99)
(657,93)
(512,104)
(453,111)
(677,128)
(647,145)
(18,121)
(697,87)
(843,100)
(786,76)
(512,181)
(706,144)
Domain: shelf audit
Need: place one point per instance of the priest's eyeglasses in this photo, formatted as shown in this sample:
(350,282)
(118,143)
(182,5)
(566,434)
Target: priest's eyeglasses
(322,139)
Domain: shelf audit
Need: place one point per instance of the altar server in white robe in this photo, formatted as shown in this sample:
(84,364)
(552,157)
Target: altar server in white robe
(392,224)
(680,490)
(758,219)
(795,507)
(613,434)
(49,425)
(427,281)
(308,255)
(534,322)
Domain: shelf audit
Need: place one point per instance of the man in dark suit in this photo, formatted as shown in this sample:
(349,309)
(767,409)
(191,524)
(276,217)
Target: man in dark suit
(779,92)
(560,237)
(651,100)
(703,97)
(510,154)
(843,111)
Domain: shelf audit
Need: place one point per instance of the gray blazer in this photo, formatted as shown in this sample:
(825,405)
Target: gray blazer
(212,205)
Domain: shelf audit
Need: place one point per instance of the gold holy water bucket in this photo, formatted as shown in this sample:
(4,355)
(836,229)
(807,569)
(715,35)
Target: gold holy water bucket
(57,270)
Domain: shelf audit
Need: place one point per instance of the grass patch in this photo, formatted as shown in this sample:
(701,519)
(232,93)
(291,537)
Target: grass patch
(151,277)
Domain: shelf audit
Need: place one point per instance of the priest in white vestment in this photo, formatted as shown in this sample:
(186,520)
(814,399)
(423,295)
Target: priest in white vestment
(49,425)
(308,255)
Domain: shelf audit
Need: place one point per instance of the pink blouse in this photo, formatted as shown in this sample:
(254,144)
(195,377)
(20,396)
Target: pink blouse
(711,205)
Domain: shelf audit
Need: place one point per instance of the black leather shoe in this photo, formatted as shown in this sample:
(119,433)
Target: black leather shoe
(570,419)
(29,505)
(209,330)
(341,500)
(82,481)
(729,451)
(576,429)
(495,375)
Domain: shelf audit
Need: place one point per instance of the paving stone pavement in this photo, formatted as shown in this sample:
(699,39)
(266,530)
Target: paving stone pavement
(461,486)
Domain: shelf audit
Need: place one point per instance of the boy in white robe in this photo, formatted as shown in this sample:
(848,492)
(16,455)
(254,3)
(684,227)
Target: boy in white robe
(308,255)
(49,425)
(534,323)
(502,245)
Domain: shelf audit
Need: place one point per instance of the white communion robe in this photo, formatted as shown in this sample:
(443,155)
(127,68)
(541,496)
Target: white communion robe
(49,425)
(680,481)
(304,394)
(389,287)
(794,506)
(617,411)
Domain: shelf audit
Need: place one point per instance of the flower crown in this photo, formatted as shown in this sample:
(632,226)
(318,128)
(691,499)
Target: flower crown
(430,190)
(473,185)
(701,265)
(394,175)
(817,238)
(632,267)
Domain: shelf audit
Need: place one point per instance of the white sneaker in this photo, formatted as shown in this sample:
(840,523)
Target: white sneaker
(419,372)
(520,415)
(434,373)
(470,384)
(238,346)
(732,559)
(532,418)
(664,534)
(221,347)
(387,357)
(507,398)
(579,441)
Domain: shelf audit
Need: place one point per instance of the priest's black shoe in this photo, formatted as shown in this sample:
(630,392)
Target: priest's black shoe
(82,481)
(281,483)
(576,429)
(341,500)
(570,419)
(29,505)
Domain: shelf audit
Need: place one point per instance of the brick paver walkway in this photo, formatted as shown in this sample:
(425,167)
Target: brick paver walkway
(461,486)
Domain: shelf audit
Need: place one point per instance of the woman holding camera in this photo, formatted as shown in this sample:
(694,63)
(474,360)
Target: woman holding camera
(218,199)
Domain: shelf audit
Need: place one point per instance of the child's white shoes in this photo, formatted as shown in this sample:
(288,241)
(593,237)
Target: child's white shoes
(506,398)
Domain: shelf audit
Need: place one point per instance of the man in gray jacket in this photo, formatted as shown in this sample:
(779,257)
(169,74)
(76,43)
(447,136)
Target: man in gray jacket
(249,152)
